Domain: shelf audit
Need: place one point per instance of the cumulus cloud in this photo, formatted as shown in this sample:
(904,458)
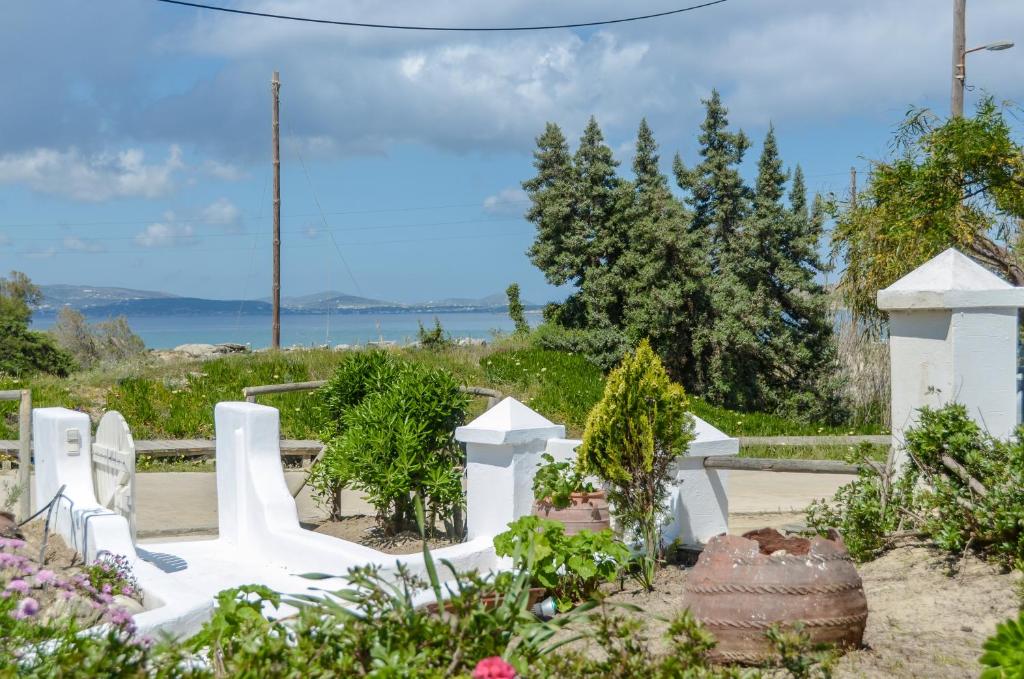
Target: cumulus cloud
(76,244)
(226,171)
(362,91)
(91,178)
(509,201)
(224,214)
(166,233)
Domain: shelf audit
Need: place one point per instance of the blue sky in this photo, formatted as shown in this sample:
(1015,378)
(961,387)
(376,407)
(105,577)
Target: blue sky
(135,145)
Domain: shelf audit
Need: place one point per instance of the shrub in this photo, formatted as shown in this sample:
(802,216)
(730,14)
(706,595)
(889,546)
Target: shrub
(111,340)
(25,352)
(571,567)
(633,434)
(971,493)
(361,373)
(434,338)
(397,442)
(604,347)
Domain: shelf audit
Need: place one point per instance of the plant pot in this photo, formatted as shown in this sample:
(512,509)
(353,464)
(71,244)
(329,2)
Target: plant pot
(741,586)
(586,511)
(492,599)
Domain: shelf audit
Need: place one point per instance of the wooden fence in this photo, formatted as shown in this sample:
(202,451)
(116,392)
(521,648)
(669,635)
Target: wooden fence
(23,446)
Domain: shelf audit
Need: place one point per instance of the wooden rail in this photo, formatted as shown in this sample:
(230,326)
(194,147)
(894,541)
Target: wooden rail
(250,393)
(805,441)
(770,464)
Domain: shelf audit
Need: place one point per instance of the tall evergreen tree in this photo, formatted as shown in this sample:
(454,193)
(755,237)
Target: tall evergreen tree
(720,202)
(665,269)
(558,250)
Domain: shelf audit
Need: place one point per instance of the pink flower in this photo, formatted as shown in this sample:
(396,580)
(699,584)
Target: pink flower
(11,543)
(45,577)
(18,585)
(493,668)
(26,608)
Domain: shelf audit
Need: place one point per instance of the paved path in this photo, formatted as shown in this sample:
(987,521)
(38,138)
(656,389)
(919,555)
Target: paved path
(171,503)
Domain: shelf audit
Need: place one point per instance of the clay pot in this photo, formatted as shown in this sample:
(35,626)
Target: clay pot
(586,511)
(741,586)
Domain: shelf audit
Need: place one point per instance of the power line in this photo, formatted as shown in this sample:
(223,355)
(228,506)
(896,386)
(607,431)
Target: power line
(259,215)
(464,29)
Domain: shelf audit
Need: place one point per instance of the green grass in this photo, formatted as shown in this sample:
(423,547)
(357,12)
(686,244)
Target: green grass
(841,453)
(176,399)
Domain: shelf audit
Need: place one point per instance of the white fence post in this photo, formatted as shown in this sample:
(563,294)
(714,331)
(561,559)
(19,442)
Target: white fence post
(952,338)
(503,448)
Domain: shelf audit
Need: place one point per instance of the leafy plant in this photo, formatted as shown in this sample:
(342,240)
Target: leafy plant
(865,511)
(571,567)
(555,482)
(633,434)
(396,442)
(962,490)
(434,338)
(1003,655)
(112,574)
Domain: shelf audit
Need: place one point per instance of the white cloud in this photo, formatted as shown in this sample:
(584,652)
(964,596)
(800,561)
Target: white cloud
(76,244)
(166,233)
(509,201)
(226,171)
(91,178)
(223,213)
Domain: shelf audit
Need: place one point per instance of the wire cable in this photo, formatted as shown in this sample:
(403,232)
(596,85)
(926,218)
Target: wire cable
(464,29)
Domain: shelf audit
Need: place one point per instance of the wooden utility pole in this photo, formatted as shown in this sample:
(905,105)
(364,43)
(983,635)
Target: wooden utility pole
(853,187)
(956,104)
(275,89)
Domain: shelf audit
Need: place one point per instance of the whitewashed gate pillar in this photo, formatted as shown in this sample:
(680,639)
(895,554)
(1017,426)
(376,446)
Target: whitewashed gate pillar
(952,338)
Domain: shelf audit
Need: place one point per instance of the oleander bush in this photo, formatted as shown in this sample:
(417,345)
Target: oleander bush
(392,438)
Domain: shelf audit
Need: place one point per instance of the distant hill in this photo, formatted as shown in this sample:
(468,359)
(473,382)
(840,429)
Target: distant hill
(331,299)
(101,302)
(84,296)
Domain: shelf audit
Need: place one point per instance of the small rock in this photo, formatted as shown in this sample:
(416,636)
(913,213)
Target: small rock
(9,527)
(129,604)
(966,628)
(780,552)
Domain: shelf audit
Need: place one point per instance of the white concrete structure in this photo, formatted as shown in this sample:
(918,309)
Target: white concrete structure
(952,338)
(113,467)
(260,540)
(504,447)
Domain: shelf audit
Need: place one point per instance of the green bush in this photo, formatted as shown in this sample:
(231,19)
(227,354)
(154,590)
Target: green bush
(396,443)
(632,437)
(971,493)
(435,338)
(570,567)
(602,347)
(25,352)
(361,373)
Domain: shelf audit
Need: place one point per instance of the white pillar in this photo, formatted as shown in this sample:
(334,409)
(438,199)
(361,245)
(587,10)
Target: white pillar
(503,448)
(952,338)
(698,499)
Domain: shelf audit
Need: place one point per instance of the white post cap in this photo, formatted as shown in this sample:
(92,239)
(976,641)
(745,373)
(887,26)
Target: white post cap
(950,280)
(509,422)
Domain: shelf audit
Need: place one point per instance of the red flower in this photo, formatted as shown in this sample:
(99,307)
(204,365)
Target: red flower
(494,668)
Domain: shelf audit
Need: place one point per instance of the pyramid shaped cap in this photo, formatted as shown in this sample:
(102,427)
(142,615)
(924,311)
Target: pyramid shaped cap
(509,422)
(709,440)
(950,280)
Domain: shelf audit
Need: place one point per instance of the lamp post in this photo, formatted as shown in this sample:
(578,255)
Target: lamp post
(960,53)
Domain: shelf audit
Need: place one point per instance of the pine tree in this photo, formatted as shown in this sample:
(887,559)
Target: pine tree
(665,269)
(557,250)
(720,202)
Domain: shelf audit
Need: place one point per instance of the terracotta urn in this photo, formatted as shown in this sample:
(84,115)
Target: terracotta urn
(586,511)
(741,586)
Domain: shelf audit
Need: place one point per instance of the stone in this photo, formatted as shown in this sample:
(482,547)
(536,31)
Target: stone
(129,604)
